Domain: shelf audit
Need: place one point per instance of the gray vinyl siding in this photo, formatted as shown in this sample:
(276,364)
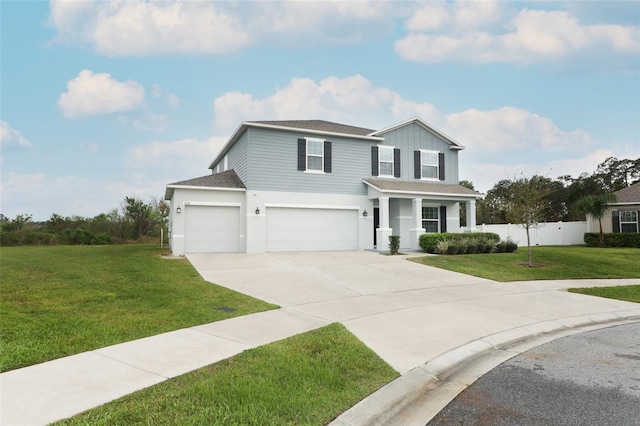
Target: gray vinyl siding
(273,164)
(238,157)
(413,137)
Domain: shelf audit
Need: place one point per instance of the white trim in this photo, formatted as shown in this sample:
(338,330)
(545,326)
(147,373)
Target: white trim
(210,204)
(315,172)
(206,188)
(310,206)
(315,132)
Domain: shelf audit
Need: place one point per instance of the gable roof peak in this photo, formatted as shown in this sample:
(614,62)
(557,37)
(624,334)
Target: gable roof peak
(428,127)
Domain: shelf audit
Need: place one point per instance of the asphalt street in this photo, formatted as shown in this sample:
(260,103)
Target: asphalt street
(591,378)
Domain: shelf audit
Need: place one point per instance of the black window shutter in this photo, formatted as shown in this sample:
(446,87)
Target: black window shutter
(417,166)
(396,162)
(327,157)
(443,218)
(441,165)
(374,161)
(302,154)
(615,217)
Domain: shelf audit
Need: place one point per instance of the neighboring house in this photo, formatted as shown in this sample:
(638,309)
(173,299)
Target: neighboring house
(624,214)
(314,185)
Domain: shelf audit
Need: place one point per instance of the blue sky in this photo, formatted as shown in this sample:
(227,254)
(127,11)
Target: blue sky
(102,100)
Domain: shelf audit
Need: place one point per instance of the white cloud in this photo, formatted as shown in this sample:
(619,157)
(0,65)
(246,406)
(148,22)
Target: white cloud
(10,136)
(483,32)
(138,28)
(98,94)
(512,129)
(190,157)
(351,99)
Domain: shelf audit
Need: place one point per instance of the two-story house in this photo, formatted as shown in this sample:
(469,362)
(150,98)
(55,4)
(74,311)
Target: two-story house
(314,185)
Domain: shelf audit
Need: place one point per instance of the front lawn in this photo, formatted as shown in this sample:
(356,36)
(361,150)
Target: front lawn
(63,300)
(630,293)
(308,379)
(553,263)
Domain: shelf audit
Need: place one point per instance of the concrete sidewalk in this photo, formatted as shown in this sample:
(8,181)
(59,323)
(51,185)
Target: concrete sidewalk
(410,314)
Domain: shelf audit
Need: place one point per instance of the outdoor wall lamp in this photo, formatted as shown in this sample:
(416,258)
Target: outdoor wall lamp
(364,213)
(178,210)
(257,210)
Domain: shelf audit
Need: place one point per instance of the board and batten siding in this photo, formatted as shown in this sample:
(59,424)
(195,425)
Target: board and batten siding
(413,137)
(273,164)
(238,158)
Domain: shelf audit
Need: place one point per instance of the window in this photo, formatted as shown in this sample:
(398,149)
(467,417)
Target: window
(430,219)
(385,160)
(428,165)
(629,221)
(226,163)
(315,154)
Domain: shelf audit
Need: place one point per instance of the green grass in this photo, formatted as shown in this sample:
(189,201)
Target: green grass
(554,263)
(630,293)
(62,300)
(308,379)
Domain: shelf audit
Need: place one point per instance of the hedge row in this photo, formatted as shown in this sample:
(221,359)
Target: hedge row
(429,242)
(625,239)
(33,237)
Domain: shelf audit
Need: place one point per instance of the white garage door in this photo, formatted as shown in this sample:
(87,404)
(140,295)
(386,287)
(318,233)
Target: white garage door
(291,229)
(211,229)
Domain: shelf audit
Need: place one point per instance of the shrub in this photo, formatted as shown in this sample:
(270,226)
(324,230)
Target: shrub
(489,248)
(480,247)
(443,246)
(462,249)
(472,249)
(394,244)
(429,242)
(501,247)
(453,249)
(510,246)
(625,239)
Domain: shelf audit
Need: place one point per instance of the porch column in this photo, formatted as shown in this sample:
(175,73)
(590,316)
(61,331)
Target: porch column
(383,232)
(471,214)
(417,229)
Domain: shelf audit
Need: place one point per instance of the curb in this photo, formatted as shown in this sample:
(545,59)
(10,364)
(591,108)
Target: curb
(393,401)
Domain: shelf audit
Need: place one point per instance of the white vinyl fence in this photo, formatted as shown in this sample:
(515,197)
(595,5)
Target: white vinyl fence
(545,234)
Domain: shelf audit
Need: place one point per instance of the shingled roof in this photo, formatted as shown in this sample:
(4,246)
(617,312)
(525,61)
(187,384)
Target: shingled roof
(228,179)
(320,125)
(628,195)
(421,187)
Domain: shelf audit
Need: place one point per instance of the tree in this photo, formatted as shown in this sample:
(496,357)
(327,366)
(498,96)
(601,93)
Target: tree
(139,214)
(596,206)
(528,204)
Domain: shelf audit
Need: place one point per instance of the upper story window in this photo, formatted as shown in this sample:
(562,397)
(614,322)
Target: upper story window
(314,155)
(428,165)
(385,161)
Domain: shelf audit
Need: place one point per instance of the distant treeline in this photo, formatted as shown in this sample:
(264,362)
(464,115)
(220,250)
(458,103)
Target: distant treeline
(135,221)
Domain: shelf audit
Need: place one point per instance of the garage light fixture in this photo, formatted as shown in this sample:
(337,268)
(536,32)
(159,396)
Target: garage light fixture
(365,214)
(178,210)
(257,210)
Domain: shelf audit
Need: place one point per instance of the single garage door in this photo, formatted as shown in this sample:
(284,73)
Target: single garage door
(211,229)
(299,229)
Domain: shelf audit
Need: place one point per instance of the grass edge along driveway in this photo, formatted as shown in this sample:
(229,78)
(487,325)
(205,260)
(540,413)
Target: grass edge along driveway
(62,300)
(552,263)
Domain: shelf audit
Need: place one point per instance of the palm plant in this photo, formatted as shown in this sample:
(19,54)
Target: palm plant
(597,206)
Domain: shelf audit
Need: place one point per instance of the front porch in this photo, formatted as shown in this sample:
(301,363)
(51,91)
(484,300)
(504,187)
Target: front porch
(410,209)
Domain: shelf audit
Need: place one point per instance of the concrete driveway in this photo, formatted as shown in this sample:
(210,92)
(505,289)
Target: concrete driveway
(406,312)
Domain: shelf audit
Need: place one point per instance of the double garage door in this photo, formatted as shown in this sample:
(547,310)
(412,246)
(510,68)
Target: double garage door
(309,229)
(211,229)
(216,229)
